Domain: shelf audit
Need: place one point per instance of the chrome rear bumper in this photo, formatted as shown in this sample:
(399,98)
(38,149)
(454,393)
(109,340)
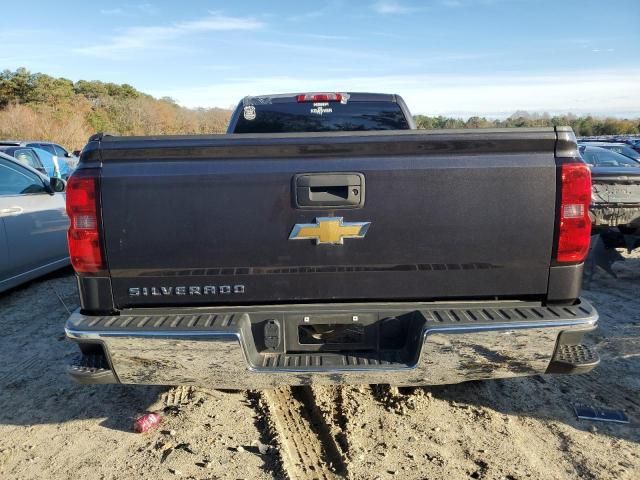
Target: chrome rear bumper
(453,343)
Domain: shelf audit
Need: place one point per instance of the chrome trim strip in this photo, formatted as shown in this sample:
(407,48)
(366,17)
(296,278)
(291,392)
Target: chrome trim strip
(96,335)
(34,273)
(62,262)
(510,326)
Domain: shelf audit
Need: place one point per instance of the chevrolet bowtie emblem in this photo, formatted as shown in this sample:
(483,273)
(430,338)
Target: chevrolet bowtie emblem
(329,230)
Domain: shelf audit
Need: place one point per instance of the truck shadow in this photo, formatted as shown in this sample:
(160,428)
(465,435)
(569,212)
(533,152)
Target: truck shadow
(614,384)
(34,386)
(54,399)
(550,399)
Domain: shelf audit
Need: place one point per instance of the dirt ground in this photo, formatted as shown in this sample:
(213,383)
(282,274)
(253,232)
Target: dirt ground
(524,428)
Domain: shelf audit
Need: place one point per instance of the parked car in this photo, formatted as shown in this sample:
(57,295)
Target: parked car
(50,165)
(618,147)
(53,148)
(33,223)
(26,156)
(597,156)
(55,165)
(634,143)
(615,200)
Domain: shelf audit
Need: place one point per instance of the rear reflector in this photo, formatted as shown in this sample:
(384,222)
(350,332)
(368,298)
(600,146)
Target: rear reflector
(575,225)
(320,97)
(85,249)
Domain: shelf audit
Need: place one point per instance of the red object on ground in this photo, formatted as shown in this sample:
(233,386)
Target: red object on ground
(146,422)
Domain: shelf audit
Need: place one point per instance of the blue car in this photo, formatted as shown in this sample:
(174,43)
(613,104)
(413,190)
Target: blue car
(54,165)
(53,148)
(46,163)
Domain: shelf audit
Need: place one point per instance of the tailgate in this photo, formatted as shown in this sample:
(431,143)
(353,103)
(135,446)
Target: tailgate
(208,220)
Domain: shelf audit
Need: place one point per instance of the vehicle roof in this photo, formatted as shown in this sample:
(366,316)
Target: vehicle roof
(584,147)
(610,144)
(22,143)
(45,142)
(353,97)
(9,147)
(596,147)
(43,150)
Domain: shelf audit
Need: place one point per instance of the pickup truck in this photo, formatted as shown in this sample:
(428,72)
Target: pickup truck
(392,255)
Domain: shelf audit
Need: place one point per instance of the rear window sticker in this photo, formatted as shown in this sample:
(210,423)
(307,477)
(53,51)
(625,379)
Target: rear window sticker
(249,112)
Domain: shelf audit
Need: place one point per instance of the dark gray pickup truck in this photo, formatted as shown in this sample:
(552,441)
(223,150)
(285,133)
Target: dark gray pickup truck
(404,257)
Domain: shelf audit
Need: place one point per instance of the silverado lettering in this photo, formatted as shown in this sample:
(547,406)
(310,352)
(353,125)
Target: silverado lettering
(184,290)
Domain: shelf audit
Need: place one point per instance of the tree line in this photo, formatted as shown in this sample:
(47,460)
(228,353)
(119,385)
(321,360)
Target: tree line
(39,106)
(582,125)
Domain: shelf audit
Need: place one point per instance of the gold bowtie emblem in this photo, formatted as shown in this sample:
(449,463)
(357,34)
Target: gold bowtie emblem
(329,230)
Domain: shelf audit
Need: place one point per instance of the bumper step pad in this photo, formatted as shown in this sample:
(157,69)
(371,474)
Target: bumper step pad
(91,369)
(574,359)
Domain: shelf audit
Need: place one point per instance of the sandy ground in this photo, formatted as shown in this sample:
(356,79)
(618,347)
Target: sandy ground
(512,429)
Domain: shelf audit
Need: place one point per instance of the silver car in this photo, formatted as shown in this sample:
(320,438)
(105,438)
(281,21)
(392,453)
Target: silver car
(33,223)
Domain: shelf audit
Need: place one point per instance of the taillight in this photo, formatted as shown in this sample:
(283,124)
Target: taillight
(574,226)
(320,97)
(83,209)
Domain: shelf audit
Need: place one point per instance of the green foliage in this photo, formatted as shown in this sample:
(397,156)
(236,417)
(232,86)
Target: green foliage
(16,86)
(51,91)
(91,89)
(36,105)
(582,126)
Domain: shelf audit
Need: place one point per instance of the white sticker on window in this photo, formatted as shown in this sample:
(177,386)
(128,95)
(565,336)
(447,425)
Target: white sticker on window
(249,112)
(321,109)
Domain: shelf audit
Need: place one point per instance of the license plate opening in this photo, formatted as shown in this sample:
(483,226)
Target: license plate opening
(331,334)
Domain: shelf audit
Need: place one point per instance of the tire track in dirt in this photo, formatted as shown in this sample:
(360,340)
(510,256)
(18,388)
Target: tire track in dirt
(307,448)
(21,371)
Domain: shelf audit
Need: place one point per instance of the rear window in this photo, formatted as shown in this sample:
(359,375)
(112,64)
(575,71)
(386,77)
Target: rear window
(27,157)
(284,117)
(61,152)
(607,158)
(44,146)
(629,152)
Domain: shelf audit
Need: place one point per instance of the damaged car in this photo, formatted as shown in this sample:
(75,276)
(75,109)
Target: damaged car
(615,191)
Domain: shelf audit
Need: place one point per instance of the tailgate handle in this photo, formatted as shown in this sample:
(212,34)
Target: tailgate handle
(328,190)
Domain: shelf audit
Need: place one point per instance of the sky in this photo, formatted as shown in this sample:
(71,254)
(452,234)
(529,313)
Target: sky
(444,57)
